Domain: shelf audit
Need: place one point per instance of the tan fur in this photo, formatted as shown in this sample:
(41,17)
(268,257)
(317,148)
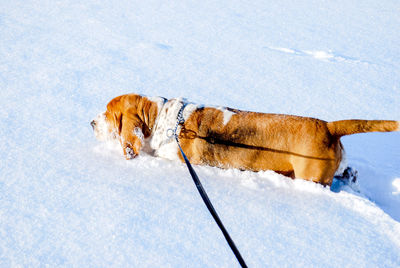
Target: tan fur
(348,127)
(295,146)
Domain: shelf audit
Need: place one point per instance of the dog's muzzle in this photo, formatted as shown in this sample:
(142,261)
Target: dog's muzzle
(101,128)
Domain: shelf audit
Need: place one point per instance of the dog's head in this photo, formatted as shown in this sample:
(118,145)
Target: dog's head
(129,120)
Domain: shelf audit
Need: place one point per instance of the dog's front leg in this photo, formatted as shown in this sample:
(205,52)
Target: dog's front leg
(131,137)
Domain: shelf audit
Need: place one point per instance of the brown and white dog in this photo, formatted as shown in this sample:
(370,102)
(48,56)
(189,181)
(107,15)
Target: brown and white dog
(295,146)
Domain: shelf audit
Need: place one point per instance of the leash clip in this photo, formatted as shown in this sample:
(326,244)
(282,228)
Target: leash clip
(171,133)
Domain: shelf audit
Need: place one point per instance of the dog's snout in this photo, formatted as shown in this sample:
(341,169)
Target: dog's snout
(93,124)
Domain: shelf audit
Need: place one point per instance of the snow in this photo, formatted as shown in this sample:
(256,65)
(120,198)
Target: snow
(396,185)
(68,200)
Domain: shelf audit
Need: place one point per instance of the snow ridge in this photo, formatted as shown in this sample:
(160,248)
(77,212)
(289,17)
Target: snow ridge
(319,55)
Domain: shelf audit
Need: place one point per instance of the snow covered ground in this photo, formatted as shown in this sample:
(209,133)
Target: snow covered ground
(66,200)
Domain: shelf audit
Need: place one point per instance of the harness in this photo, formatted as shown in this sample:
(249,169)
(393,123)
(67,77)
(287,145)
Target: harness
(180,121)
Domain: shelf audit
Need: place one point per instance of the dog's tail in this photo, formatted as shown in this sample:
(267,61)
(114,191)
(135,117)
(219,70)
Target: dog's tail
(348,127)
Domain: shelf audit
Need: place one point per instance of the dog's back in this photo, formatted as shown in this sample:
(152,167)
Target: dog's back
(295,146)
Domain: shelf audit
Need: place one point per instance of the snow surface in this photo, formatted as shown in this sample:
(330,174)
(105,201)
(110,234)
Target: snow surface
(67,200)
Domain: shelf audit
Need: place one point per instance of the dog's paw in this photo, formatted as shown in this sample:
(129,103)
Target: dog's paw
(129,153)
(347,179)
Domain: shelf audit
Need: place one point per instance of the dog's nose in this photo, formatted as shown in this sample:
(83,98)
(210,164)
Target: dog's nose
(93,124)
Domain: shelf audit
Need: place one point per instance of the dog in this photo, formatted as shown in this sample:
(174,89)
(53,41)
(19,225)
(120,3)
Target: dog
(295,146)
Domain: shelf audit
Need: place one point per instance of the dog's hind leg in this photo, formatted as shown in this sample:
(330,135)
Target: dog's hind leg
(319,171)
(349,175)
(349,178)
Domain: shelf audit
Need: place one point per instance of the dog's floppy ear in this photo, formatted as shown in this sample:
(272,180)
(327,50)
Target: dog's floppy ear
(114,115)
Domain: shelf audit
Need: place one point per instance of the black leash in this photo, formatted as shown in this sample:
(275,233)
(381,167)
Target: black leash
(204,195)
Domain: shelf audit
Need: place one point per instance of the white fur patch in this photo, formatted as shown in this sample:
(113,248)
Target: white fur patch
(161,141)
(227,114)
